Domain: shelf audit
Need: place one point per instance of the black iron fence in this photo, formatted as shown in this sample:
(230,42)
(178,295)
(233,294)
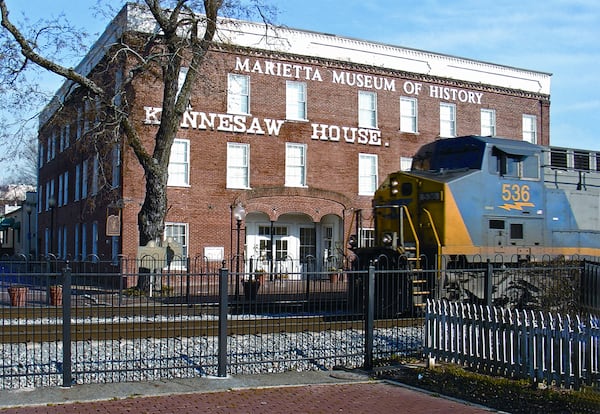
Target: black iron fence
(128,320)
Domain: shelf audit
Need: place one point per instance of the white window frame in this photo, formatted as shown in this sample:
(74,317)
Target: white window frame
(238,167)
(405,163)
(447,120)
(179,164)
(367,174)
(530,128)
(295,100)
(238,94)
(409,115)
(488,122)
(367,109)
(295,165)
(179,262)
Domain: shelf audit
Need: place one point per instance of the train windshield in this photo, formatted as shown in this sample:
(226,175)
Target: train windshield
(438,156)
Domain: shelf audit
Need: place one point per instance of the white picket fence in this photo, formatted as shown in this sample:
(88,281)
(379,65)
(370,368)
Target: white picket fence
(557,349)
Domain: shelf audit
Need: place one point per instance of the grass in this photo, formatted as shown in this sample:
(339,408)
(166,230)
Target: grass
(508,395)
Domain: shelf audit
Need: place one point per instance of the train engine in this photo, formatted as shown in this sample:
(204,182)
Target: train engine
(472,199)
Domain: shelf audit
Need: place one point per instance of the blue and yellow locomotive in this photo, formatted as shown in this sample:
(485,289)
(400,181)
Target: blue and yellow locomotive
(476,198)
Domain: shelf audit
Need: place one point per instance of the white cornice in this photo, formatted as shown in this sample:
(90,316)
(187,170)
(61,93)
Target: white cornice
(321,45)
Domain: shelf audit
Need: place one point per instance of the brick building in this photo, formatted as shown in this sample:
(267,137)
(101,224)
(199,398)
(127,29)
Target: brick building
(297,127)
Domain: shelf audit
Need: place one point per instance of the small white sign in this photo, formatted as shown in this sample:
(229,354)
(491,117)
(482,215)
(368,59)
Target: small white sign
(214,253)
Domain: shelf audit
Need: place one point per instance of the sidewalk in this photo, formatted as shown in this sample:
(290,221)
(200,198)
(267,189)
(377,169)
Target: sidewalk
(305,392)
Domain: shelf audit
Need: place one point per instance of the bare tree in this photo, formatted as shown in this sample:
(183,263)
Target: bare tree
(186,32)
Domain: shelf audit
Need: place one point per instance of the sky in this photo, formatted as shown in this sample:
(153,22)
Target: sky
(561,37)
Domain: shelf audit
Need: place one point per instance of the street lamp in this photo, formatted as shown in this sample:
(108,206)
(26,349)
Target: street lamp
(51,205)
(28,211)
(239,213)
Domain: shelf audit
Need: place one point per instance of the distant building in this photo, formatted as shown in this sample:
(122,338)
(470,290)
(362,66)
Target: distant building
(18,235)
(297,127)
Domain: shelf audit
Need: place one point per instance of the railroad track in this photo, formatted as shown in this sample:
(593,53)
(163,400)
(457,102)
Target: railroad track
(156,327)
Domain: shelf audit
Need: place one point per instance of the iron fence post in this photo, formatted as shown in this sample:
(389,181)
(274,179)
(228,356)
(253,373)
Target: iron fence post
(488,283)
(370,318)
(223,305)
(66,327)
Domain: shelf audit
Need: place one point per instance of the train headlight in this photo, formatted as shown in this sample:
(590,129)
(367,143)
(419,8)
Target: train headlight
(394,187)
(387,239)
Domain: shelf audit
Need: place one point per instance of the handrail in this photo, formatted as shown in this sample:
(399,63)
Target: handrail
(414,232)
(437,238)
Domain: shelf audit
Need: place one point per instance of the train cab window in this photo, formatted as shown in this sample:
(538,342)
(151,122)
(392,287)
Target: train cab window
(516,231)
(518,166)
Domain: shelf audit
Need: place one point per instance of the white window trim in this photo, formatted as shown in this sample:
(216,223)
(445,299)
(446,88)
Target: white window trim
(361,177)
(361,120)
(230,107)
(292,103)
(414,116)
(230,184)
(492,125)
(530,135)
(186,182)
(451,122)
(288,182)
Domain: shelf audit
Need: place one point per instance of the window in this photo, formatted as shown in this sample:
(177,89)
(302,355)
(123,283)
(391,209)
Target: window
(367,237)
(408,115)
(95,174)
(530,128)
(79,132)
(238,166)
(367,174)
(488,122)
(447,120)
(295,100)
(405,163)
(83,241)
(367,109)
(179,163)
(40,155)
(59,201)
(77,182)
(178,232)
(308,242)
(116,166)
(84,179)
(295,165)
(95,241)
(76,240)
(238,94)
(518,166)
(65,195)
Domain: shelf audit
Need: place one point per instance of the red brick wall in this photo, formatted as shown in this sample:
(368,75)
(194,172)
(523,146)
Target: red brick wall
(332,175)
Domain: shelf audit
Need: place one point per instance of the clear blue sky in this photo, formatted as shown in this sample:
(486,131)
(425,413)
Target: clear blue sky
(561,37)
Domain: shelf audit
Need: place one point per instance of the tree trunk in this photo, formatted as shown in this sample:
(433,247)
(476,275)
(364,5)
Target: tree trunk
(151,218)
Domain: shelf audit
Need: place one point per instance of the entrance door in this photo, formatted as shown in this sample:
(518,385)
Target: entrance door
(273,242)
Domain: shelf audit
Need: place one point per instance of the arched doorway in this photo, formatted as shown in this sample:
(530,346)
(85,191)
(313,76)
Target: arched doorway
(294,245)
